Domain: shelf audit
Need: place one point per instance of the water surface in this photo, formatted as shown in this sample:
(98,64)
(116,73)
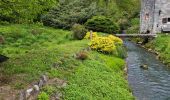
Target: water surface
(151,84)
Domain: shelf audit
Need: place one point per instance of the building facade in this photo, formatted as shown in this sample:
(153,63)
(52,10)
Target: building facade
(155,16)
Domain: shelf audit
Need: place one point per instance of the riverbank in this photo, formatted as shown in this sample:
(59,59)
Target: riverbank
(34,50)
(161,46)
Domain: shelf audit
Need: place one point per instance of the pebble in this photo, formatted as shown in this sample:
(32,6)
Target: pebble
(28,92)
(41,83)
(22,95)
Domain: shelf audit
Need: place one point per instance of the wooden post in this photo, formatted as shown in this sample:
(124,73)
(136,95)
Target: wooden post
(91,34)
(2,40)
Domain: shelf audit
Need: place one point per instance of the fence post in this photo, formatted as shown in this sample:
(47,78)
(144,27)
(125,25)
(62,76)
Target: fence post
(91,34)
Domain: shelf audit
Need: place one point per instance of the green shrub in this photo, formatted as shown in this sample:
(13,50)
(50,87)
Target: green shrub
(43,96)
(133,26)
(135,21)
(66,14)
(79,31)
(4,23)
(24,11)
(133,29)
(121,51)
(101,24)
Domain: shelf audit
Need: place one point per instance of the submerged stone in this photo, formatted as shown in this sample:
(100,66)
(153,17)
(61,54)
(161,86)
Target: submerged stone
(144,66)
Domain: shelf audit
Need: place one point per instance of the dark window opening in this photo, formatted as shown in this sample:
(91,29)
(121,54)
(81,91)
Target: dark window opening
(164,20)
(168,19)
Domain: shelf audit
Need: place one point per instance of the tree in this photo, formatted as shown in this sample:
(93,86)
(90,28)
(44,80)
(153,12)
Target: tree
(20,11)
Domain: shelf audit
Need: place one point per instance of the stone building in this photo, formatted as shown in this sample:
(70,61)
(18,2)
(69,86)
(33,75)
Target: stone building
(155,16)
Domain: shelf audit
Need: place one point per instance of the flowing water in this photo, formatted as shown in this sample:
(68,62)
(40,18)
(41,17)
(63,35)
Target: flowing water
(151,84)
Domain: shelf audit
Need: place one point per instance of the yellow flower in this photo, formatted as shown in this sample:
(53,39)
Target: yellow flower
(115,39)
(94,35)
(103,44)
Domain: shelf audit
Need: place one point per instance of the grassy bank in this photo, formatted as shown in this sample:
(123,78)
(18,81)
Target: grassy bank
(21,39)
(35,50)
(161,44)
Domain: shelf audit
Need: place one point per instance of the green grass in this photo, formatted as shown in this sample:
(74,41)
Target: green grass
(162,45)
(52,53)
(98,78)
(21,39)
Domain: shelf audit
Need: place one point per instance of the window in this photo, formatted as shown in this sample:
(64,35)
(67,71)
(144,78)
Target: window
(164,20)
(168,19)
(146,16)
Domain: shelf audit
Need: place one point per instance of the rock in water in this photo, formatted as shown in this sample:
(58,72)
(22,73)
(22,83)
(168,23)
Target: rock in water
(144,66)
(3,58)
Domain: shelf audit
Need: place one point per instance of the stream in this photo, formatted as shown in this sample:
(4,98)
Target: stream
(151,84)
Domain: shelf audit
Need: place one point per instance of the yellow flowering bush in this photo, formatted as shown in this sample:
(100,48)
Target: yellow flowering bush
(103,44)
(115,39)
(94,35)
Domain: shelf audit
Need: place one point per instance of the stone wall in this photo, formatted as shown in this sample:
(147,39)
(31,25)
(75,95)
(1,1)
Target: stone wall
(156,9)
(147,13)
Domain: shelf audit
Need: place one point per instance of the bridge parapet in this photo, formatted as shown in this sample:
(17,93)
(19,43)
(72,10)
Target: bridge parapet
(136,35)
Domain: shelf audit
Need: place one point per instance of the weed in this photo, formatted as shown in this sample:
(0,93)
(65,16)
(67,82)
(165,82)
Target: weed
(43,96)
(18,86)
(36,31)
(49,89)
(82,55)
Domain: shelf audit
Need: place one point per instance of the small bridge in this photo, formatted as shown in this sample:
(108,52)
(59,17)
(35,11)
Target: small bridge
(136,35)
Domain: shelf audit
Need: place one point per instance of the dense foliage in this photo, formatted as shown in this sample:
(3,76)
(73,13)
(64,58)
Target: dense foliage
(134,26)
(65,15)
(101,24)
(79,31)
(24,11)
